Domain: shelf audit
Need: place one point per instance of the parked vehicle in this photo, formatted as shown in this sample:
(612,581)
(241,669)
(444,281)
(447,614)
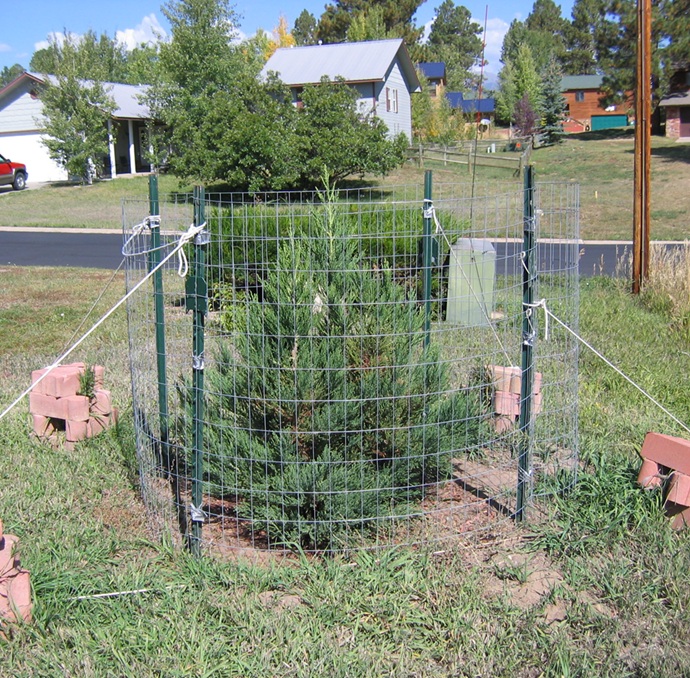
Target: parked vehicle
(13,173)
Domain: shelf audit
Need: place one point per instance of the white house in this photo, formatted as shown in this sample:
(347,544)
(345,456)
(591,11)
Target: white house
(380,70)
(20,137)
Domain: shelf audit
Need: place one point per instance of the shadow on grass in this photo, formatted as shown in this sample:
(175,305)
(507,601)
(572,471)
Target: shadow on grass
(605,134)
(676,153)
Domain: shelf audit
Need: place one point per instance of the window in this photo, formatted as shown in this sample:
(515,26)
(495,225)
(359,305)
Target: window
(391,100)
(579,96)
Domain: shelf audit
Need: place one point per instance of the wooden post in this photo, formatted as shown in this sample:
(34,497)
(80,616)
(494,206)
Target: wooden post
(643,155)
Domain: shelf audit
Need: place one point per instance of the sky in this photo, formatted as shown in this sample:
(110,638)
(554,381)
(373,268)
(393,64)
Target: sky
(26,28)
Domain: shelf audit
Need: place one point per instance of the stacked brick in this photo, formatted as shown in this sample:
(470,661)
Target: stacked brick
(55,405)
(666,463)
(15,585)
(506,384)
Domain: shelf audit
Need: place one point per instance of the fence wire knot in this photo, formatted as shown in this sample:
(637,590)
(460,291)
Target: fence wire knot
(529,311)
(189,235)
(197,514)
(153,221)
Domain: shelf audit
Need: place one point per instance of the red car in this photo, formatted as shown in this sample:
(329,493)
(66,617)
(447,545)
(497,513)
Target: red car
(13,173)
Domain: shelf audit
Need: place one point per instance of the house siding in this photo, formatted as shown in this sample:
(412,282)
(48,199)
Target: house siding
(399,120)
(21,114)
(580,112)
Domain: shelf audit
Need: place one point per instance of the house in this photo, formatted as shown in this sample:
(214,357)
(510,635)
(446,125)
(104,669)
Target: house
(380,70)
(584,108)
(677,106)
(484,109)
(20,137)
(434,73)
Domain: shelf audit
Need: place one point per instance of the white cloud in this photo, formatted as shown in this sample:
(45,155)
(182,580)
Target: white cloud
(59,38)
(496,30)
(149,31)
(4,47)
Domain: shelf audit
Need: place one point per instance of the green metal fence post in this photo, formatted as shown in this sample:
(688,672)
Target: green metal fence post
(529,336)
(159,310)
(427,246)
(197,301)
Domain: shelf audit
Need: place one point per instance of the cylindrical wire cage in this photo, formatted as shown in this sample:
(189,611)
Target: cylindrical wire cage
(361,374)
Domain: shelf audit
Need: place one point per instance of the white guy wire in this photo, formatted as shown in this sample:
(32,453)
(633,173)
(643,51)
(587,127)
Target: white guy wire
(184,239)
(684,426)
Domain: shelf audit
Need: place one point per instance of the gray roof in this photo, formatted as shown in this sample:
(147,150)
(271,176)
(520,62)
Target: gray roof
(676,99)
(353,61)
(570,82)
(126,97)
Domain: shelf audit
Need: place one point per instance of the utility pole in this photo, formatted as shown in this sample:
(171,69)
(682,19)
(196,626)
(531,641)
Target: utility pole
(643,155)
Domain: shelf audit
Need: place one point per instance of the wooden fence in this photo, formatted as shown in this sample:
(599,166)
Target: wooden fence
(510,154)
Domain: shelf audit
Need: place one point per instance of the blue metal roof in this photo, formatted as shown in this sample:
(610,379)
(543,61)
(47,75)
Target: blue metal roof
(433,69)
(456,100)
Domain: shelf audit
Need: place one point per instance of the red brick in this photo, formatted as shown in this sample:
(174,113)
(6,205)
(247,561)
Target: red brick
(99,372)
(507,403)
(15,596)
(77,408)
(537,402)
(503,424)
(97,425)
(102,403)
(668,451)
(48,406)
(75,430)
(649,474)
(501,376)
(679,489)
(43,426)
(681,519)
(60,382)
(7,544)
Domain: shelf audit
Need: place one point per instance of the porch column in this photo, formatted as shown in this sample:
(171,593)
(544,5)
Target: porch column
(111,150)
(132,155)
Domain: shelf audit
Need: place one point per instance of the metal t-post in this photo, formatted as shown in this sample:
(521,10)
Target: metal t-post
(154,260)
(427,256)
(529,336)
(197,301)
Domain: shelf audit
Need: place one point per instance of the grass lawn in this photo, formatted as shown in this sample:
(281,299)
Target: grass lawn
(601,162)
(594,584)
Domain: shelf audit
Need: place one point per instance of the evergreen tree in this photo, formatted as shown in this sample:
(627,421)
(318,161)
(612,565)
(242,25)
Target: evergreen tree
(543,31)
(454,39)
(326,409)
(397,19)
(515,36)
(580,57)
(304,30)
(553,103)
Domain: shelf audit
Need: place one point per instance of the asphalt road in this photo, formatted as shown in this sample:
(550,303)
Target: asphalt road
(104,250)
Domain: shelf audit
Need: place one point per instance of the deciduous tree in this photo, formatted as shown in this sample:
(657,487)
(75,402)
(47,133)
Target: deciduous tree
(75,115)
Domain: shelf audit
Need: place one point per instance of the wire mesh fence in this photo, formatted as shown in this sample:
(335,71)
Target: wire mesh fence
(332,371)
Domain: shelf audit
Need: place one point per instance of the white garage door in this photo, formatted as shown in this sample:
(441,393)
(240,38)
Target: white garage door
(27,148)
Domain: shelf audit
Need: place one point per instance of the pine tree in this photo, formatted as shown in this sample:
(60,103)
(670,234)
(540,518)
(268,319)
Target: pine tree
(553,103)
(327,410)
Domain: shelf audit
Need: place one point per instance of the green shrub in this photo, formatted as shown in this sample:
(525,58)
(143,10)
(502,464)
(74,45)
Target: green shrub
(326,409)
